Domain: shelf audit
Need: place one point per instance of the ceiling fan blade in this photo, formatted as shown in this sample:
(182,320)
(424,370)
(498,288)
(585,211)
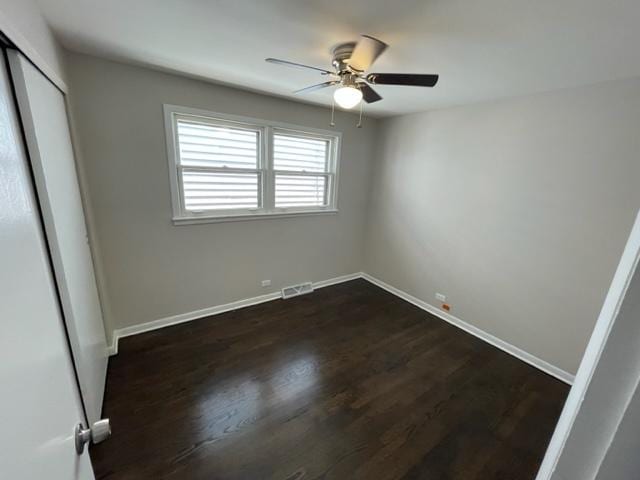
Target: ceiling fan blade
(410,79)
(297,65)
(367,50)
(369,95)
(313,88)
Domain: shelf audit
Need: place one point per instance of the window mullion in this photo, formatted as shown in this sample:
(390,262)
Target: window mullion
(269,177)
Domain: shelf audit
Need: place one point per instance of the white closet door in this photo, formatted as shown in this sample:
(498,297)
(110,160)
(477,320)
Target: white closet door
(39,400)
(44,117)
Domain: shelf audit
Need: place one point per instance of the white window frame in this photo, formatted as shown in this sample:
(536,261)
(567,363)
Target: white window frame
(266,174)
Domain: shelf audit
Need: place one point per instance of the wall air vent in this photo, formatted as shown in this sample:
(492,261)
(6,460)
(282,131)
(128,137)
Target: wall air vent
(295,290)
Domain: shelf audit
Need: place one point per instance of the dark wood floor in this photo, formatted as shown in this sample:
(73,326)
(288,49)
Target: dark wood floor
(349,382)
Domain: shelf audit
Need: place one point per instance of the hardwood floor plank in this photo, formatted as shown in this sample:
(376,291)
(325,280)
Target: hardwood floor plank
(349,382)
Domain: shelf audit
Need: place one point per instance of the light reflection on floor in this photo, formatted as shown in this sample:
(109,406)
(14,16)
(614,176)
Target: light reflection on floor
(254,395)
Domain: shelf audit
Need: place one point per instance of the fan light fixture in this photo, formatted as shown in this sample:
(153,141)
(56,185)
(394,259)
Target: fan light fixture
(347,96)
(350,74)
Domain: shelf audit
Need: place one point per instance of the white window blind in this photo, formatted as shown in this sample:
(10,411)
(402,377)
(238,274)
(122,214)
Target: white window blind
(301,167)
(204,190)
(300,191)
(226,167)
(219,166)
(299,154)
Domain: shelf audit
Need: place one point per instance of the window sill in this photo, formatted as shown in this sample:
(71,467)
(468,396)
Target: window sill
(248,216)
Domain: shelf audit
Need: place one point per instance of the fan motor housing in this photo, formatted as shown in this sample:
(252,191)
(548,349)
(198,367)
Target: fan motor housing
(341,54)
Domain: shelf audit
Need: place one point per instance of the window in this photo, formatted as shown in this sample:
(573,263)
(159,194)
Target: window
(232,168)
(301,166)
(219,166)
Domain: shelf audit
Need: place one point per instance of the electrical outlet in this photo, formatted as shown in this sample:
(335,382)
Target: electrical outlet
(440,297)
(266,283)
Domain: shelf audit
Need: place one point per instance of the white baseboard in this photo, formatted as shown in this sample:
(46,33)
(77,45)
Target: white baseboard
(206,312)
(475,331)
(113,348)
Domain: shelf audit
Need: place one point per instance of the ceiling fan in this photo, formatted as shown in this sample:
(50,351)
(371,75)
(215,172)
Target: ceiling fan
(350,61)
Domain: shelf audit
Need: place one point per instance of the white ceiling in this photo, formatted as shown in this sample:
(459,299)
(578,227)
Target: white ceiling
(483,49)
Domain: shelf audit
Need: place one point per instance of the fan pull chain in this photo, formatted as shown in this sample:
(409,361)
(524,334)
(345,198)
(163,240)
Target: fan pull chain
(333,107)
(359,125)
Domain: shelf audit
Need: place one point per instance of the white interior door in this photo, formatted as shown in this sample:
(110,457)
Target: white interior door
(44,118)
(39,400)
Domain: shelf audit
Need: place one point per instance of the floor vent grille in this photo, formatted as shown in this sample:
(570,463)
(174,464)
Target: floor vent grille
(295,290)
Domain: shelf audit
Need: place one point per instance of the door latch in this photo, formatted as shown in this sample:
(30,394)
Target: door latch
(99,432)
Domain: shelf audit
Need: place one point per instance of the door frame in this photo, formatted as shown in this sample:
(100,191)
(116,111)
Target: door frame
(16,40)
(45,445)
(600,339)
(5,45)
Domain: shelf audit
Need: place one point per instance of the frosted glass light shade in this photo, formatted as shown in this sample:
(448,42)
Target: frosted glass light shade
(347,97)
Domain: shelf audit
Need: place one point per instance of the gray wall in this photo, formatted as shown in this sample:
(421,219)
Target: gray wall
(149,269)
(517,210)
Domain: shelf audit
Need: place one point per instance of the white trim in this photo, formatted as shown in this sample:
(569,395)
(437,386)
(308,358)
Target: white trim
(475,331)
(206,312)
(336,280)
(29,51)
(624,273)
(208,114)
(266,129)
(113,348)
(249,216)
